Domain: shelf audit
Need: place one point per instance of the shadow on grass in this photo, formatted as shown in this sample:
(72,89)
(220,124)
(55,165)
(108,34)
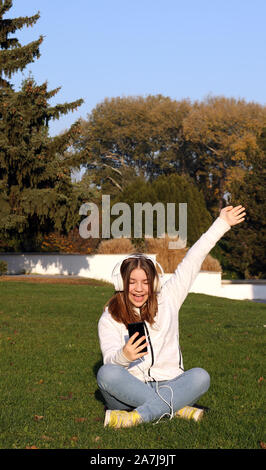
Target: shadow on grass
(98,395)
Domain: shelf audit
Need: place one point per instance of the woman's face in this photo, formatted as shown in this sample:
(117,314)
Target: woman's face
(138,287)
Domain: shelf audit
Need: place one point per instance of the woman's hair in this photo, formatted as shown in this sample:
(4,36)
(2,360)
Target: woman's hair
(120,307)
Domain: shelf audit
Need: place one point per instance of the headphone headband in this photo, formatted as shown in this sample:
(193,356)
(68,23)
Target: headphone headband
(117,277)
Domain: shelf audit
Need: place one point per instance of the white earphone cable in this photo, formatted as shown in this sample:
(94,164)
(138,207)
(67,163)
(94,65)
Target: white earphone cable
(171,414)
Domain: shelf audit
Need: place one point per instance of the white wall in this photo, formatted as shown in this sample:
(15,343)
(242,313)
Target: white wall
(254,289)
(92,266)
(101,266)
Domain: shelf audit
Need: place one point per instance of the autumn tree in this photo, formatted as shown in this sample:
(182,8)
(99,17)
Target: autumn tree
(35,181)
(210,141)
(244,249)
(225,133)
(135,136)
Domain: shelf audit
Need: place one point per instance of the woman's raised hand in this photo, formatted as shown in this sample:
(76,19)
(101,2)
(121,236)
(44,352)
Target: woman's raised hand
(233,215)
(132,350)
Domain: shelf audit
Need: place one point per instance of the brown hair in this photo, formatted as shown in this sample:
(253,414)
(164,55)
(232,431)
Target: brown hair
(120,307)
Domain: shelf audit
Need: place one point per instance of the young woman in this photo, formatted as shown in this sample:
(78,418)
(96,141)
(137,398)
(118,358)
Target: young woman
(142,386)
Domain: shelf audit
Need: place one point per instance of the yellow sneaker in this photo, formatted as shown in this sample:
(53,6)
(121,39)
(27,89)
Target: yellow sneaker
(190,412)
(121,419)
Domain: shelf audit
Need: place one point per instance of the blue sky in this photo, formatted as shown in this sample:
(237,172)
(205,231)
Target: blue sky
(95,49)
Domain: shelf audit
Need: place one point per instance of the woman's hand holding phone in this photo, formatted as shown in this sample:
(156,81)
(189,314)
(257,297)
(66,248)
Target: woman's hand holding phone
(132,350)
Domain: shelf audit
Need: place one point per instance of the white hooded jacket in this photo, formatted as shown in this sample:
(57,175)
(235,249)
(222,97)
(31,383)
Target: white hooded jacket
(164,359)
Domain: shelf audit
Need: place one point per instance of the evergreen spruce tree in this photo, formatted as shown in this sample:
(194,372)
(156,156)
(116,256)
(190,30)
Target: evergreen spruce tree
(15,57)
(36,194)
(176,189)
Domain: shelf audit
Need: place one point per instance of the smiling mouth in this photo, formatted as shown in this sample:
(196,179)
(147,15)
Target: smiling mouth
(138,297)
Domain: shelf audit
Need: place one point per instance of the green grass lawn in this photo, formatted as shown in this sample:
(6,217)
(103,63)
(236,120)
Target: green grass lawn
(50,356)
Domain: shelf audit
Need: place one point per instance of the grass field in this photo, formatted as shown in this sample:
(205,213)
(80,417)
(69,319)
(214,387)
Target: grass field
(50,356)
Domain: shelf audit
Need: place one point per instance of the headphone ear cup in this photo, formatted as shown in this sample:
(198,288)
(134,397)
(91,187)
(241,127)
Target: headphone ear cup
(157,284)
(118,282)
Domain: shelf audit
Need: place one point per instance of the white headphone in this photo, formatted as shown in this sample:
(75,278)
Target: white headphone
(118,280)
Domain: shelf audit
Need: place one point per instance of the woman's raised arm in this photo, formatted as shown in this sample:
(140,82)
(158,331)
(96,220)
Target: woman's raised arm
(179,284)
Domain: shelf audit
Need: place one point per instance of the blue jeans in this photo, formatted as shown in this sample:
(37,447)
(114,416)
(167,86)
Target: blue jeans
(122,391)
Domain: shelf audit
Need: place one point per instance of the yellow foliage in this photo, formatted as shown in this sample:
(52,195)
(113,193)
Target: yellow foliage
(116,246)
(169,258)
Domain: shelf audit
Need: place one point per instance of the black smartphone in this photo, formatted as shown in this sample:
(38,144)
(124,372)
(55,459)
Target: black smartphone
(137,327)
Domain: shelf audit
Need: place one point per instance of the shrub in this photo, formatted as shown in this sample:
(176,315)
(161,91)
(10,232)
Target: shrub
(3,267)
(170,189)
(70,243)
(115,246)
(169,258)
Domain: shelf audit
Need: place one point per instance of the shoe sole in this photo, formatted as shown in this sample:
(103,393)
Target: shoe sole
(107,418)
(194,415)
